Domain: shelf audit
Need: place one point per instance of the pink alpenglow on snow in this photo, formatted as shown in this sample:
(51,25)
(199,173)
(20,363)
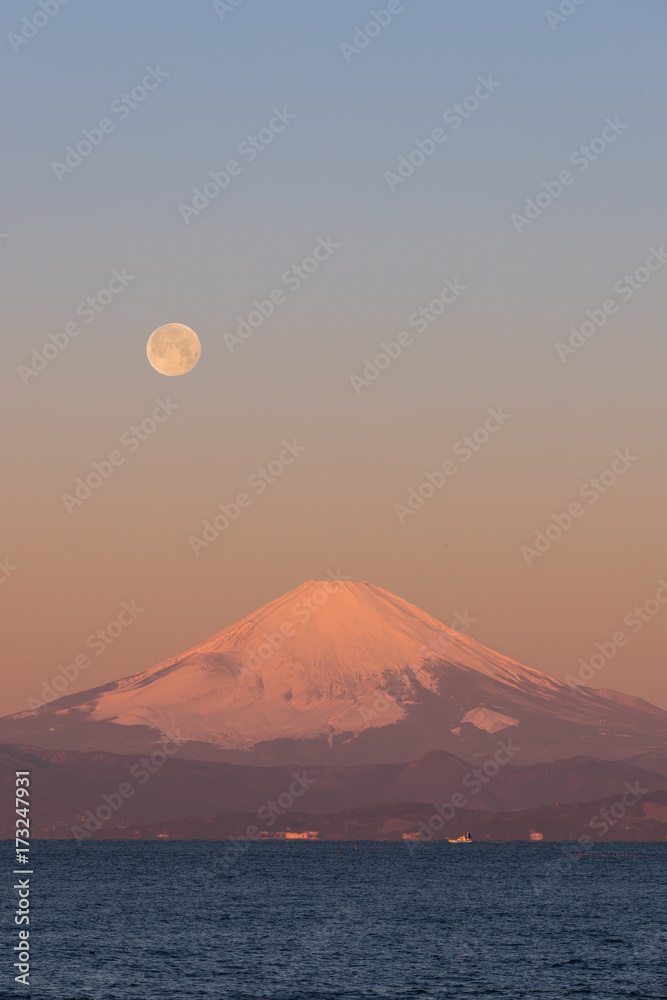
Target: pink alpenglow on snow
(342,672)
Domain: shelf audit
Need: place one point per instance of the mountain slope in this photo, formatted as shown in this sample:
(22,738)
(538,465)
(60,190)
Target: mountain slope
(343,673)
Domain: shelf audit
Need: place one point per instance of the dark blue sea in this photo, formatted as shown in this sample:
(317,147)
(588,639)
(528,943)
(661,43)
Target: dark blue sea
(330,921)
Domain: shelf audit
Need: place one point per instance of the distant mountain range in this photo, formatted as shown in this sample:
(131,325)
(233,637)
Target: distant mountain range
(341,674)
(645,821)
(68,787)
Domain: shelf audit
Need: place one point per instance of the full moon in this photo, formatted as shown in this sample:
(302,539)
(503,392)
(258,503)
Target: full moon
(173,349)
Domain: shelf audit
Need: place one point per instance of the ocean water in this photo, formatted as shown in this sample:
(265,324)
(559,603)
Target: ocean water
(331,921)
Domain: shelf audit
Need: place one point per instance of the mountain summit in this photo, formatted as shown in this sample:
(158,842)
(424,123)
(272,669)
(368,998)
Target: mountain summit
(342,672)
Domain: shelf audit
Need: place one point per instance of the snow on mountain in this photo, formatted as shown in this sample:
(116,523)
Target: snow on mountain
(490,722)
(345,672)
(304,665)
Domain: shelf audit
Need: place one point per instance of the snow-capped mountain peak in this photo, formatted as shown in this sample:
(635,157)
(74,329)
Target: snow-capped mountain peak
(337,670)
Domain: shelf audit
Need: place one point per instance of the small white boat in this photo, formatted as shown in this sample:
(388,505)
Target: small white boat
(464,839)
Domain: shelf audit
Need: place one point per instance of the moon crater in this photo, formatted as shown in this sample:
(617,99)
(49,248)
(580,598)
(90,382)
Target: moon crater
(173,349)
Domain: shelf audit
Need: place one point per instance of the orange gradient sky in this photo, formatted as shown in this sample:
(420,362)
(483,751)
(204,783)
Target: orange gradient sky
(321,182)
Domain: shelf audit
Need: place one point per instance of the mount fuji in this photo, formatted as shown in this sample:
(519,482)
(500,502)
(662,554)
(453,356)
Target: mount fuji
(343,673)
